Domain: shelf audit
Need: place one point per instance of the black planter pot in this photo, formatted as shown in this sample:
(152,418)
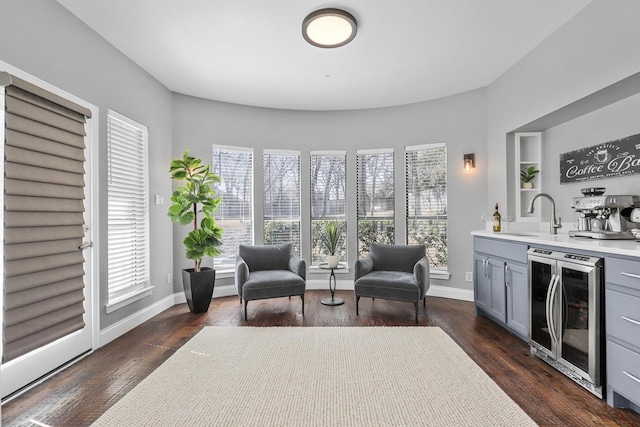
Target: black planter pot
(198,288)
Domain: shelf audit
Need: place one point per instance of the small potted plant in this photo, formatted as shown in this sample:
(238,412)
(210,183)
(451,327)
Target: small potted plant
(330,240)
(527,175)
(196,196)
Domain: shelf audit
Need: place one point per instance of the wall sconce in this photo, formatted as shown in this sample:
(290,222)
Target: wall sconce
(469,162)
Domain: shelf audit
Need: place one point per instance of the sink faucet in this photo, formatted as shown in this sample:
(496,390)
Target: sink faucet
(553,223)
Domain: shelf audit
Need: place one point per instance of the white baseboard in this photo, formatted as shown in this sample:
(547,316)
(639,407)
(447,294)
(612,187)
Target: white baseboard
(451,293)
(125,325)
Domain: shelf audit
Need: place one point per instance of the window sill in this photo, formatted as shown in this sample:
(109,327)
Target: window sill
(440,274)
(124,300)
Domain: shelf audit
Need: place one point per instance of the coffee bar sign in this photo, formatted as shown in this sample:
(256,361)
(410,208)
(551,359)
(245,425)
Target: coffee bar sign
(614,158)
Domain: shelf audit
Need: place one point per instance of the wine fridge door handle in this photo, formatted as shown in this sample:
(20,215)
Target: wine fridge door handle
(550,301)
(548,306)
(551,305)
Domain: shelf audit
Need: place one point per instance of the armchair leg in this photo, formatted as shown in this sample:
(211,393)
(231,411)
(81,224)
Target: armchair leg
(245,310)
(424,302)
(357,301)
(416,306)
(240,300)
(302,296)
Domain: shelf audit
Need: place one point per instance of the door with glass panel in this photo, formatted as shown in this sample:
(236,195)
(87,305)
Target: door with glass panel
(47,296)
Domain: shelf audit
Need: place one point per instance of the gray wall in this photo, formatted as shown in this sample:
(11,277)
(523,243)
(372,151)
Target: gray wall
(457,120)
(615,121)
(43,39)
(595,49)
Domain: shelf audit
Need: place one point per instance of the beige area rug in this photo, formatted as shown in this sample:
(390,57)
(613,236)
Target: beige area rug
(321,376)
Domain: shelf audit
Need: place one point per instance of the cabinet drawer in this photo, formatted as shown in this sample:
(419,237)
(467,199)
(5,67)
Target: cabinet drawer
(501,249)
(623,272)
(623,371)
(623,316)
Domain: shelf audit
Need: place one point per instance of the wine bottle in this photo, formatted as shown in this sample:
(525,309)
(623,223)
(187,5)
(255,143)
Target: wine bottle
(496,220)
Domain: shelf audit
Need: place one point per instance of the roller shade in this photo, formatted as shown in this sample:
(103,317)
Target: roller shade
(44,205)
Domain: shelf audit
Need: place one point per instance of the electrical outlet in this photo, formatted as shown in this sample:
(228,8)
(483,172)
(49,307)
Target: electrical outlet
(159,200)
(469,276)
(168,278)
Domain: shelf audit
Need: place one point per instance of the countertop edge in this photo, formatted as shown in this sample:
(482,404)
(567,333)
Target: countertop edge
(630,248)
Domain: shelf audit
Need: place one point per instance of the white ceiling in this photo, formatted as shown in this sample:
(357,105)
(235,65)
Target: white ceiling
(252,52)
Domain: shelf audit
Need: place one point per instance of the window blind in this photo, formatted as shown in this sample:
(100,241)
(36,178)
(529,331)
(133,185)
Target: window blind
(282,198)
(328,200)
(375,200)
(234,215)
(44,205)
(128,206)
(426,198)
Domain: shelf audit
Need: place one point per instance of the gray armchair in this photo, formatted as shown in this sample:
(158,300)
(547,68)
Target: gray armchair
(393,272)
(269,271)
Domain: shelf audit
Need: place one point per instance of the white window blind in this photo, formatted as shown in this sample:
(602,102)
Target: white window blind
(328,200)
(128,206)
(426,180)
(234,215)
(375,200)
(282,198)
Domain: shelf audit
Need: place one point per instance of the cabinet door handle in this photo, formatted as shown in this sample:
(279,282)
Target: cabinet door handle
(635,276)
(635,322)
(633,377)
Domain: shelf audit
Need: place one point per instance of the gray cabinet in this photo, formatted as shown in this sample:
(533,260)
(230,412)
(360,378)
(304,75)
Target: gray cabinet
(517,281)
(501,289)
(622,308)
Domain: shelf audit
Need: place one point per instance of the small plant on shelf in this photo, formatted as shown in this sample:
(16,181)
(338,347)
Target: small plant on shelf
(527,175)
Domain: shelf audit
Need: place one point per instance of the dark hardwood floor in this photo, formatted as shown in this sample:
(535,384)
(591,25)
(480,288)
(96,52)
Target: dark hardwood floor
(80,394)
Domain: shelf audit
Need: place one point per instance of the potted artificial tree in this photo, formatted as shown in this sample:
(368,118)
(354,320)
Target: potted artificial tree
(330,240)
(527,175)
(195,197)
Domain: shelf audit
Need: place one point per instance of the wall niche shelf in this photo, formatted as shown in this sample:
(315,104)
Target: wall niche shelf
(528,152)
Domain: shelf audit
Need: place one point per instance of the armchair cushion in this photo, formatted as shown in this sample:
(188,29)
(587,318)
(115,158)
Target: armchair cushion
(394,285)
(272,284)
(266,257)
(396,257)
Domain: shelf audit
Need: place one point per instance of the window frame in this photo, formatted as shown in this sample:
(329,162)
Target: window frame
(223,268)
(142,286)
(340,217)
(389,218)
(293,219)
(426,217)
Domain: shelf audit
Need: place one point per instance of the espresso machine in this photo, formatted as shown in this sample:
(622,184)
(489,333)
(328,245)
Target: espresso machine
(606,216)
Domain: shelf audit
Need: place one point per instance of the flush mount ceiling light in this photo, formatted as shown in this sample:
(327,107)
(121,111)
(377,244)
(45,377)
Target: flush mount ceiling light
(329,28)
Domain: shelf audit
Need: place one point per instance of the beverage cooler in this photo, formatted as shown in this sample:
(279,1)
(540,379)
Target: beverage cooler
(567,319)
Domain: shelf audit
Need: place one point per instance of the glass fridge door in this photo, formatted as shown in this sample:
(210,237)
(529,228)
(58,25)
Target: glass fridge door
(541,273)
(579,318)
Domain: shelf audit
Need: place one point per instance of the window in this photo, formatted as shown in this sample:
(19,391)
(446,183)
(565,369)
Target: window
(426,169)
(375,198)
(282,198)
(234,215)
(328,200)
(128,207)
